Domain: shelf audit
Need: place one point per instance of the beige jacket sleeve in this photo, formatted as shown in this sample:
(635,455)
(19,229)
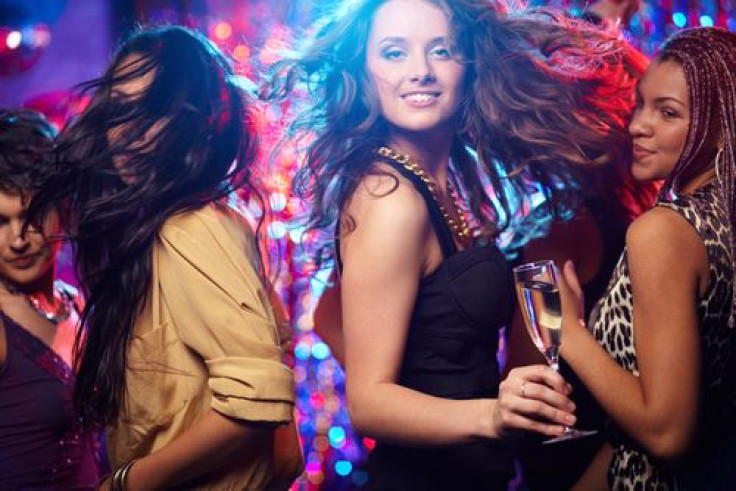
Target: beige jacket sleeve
(221,312)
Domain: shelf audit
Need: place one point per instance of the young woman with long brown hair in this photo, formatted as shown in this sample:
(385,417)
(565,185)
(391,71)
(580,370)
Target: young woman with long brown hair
(415,104)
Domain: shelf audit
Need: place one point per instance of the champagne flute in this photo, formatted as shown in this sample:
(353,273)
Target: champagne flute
(539,298)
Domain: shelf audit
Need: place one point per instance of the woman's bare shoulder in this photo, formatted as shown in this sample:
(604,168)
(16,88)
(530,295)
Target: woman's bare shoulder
(386,195)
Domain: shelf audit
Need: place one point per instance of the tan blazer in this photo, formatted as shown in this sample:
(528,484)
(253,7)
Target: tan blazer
(206,338)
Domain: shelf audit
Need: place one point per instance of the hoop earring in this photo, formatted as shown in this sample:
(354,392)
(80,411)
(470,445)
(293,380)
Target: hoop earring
(718,162)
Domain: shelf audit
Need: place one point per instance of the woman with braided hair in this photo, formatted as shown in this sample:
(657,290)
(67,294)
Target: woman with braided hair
(665,371)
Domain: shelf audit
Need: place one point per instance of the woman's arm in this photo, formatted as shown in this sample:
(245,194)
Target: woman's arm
(207,446)
(220,311)
(669,270)
(385,258)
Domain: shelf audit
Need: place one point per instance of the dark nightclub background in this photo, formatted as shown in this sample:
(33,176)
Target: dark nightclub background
(48,46)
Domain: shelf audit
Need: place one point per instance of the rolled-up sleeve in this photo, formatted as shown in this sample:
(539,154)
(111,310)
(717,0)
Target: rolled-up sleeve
(221,312)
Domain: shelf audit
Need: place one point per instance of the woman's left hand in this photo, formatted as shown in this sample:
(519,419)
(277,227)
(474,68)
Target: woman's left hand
(533,398)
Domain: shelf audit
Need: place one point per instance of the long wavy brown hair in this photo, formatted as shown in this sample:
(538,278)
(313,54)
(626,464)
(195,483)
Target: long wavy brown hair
(547,99)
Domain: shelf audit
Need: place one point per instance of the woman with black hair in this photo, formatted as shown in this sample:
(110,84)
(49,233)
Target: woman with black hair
(42,444)
(181,360)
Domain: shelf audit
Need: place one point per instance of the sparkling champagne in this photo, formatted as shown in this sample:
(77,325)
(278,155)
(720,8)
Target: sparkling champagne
(539,298)
(542,312)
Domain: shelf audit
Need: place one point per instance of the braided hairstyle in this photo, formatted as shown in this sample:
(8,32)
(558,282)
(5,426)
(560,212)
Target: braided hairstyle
(708,59)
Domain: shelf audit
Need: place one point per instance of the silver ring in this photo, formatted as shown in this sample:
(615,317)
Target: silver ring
(523,386)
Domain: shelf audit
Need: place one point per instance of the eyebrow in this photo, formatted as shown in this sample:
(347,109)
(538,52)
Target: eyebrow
(21,215)
(669,99)
(401,40)
(659,100)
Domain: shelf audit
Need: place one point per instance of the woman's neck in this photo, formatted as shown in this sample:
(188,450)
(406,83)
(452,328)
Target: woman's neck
(43,287)
(431,152)
(700,180)
(697,182)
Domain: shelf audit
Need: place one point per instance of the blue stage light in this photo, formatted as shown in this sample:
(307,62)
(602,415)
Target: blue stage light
(679,19)
(343,467)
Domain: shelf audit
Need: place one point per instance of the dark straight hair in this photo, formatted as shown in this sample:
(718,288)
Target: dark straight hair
(180,142)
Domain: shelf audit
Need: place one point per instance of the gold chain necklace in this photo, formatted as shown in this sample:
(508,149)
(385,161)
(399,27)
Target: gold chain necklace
(459,227)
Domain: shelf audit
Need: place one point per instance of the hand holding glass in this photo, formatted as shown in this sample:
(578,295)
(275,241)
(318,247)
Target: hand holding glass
(539,299)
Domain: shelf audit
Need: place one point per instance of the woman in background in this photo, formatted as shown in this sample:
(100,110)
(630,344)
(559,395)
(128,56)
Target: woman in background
(42,444)
(592,235)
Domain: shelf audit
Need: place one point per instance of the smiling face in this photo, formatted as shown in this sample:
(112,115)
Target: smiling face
(661,120)
(24,258)
(410,61)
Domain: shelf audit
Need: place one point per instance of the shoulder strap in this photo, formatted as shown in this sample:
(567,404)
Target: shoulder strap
(338,259)
(444,234)
(686,208)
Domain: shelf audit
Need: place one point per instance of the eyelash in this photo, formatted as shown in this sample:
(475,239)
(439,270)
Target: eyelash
(446,54)
(669,113)
(391,53)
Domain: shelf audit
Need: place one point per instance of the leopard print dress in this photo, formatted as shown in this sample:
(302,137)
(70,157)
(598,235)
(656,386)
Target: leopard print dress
(612,326)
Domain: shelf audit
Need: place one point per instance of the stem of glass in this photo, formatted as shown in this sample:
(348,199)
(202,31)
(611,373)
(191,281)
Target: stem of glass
(552,354)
